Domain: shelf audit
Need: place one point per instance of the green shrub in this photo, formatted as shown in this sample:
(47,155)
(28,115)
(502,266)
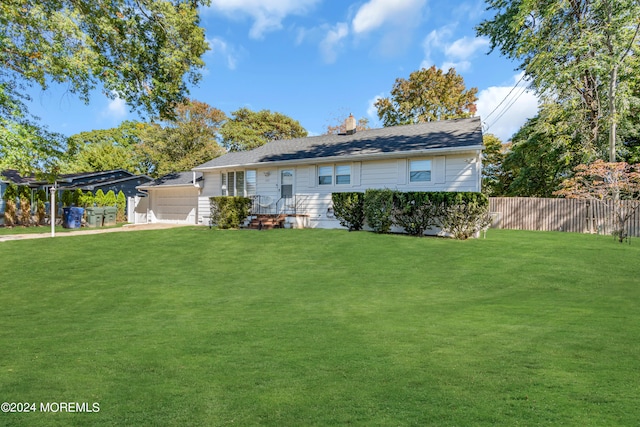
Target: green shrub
(10,212)
(24,193)
(378,209)
(87,200)
(349,209)
(121,203)
(66,198)
(41,198)
(110,198)
(464,214)
(77,197)
(99,198)
(228,211)
(415,211)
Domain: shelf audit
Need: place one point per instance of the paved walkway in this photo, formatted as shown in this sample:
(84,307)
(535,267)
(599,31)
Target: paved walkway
(86,231)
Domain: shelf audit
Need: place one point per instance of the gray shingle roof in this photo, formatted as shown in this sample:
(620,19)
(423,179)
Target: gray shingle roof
(174,179)
(457,133)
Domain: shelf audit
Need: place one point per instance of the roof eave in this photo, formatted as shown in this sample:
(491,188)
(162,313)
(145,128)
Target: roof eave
(342,158)
(152,187)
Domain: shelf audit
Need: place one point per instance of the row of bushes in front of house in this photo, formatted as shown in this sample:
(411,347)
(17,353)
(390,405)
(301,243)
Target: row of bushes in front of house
(460,214)
(18,209)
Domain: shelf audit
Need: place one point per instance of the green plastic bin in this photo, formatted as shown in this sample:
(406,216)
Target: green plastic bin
(110,215)
(95,217)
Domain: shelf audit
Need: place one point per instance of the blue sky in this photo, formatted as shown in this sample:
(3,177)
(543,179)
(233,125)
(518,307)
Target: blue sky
(319,60)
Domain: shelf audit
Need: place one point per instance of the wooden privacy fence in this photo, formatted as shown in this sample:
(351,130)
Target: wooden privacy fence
(574,215)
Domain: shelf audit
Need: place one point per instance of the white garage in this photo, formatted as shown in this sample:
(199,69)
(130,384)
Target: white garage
(173,199)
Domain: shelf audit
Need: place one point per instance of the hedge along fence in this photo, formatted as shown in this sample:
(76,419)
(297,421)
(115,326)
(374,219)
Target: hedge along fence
(229,211)
(460,214)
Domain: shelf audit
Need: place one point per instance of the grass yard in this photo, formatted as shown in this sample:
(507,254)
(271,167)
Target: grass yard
(190,326)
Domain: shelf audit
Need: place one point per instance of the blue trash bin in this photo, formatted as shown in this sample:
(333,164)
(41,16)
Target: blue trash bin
(72,217)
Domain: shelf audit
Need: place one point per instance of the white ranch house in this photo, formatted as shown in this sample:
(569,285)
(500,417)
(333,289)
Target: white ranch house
(297,177)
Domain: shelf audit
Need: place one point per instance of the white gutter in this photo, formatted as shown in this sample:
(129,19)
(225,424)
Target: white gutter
(160,187)
(352,157)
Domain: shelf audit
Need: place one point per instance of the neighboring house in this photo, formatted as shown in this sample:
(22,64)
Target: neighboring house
(298,176)
(172,199)
(116,180)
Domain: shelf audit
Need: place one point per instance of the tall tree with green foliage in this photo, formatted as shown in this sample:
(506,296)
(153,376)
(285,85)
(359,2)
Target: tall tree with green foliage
(580,54)
(28,148)
(248,129)
(190,138)
(106,149)
(144,52)
(542,154)
(494,178)
(427,95)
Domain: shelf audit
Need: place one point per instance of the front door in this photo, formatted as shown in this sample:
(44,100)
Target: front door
(286,183)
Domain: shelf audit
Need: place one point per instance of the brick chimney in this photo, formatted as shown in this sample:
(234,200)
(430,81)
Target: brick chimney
(350,125)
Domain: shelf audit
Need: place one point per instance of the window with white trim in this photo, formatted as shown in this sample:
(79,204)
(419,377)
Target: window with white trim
(343,174)
(338,174)
(419,170)
(239,183)
(251,183)
(325,175)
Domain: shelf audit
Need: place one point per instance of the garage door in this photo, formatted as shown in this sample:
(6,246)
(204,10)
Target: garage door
(175,205)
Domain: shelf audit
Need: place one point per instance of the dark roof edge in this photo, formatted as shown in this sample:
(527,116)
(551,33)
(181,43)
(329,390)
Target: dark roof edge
(342,158)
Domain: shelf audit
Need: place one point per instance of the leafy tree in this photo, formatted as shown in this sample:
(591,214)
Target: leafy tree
(428,95)
(106,149)
(27,147)
(189,139)
(145,52)
(494,180)
(616,183)
(249,129)
(537,162)
(580,53)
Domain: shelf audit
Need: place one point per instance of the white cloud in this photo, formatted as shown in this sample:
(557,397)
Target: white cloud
(457,54)
(267,15)
(220,48)
(503,120)
(396,20)
(376,13)
(332,41)
(116,109)
(460,66)
(465,48)
(372,111)
(435,41)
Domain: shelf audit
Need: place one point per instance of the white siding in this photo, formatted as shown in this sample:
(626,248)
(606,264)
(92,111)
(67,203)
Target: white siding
(459,172)
(210,187)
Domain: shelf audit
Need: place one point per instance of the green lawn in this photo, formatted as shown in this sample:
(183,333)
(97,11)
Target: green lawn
(190,326)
